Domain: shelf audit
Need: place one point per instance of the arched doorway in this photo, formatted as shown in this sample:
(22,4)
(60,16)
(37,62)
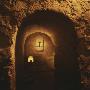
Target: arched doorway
(39,62)
(66,72)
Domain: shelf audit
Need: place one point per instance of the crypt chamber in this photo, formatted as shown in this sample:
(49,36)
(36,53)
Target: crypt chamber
(44,46)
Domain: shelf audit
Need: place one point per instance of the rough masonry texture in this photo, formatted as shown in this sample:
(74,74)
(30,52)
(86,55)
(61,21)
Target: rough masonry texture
(12,12)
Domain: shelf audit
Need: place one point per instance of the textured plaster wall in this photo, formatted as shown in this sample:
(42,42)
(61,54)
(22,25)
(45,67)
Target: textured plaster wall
(13,11)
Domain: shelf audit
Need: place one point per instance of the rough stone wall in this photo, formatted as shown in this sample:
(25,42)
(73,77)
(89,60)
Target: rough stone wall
(13,11)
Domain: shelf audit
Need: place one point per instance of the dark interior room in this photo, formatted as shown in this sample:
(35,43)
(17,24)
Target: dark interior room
(44,45)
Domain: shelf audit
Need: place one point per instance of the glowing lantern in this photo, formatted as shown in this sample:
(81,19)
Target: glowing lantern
(30,59)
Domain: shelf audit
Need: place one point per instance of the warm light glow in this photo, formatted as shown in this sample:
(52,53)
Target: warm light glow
(39,44)
(38,29)
(30,59)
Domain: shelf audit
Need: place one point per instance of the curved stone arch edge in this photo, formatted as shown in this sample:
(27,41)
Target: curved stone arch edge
(12,48)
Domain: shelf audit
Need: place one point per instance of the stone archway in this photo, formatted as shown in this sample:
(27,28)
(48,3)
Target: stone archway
(62,29)
(39,72)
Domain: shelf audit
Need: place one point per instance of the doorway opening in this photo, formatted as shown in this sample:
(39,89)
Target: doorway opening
(65,75)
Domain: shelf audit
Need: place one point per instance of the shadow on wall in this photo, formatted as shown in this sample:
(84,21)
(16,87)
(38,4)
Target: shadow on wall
(4,62)
(66,73)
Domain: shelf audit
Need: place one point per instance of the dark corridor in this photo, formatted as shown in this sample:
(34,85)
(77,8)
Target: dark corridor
(39,75)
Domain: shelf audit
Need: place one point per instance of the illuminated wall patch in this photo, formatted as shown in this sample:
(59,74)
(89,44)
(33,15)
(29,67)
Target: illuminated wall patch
(30,59)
